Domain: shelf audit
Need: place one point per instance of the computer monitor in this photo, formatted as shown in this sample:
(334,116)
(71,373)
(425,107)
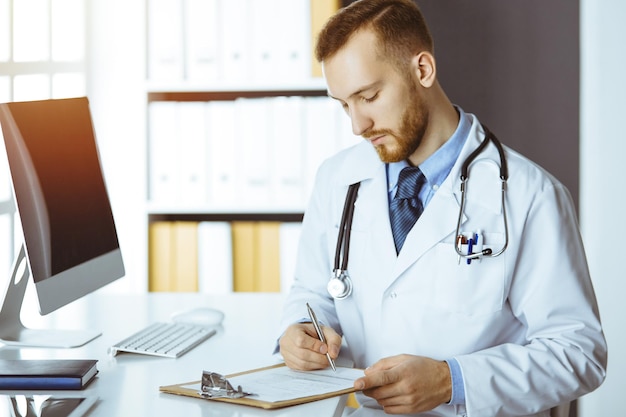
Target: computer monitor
(70,246)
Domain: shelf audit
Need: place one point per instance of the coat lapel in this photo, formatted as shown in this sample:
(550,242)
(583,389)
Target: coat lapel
(436,223)
(440,217)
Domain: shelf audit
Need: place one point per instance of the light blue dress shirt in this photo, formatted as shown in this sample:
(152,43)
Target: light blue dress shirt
(436,169)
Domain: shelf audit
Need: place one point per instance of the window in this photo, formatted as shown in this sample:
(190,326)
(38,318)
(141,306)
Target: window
(42,56)
(42,49)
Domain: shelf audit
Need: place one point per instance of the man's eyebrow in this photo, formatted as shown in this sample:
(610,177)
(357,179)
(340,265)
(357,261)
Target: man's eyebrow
(359,91)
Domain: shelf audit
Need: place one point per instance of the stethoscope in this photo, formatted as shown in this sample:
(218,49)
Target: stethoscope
(340,284)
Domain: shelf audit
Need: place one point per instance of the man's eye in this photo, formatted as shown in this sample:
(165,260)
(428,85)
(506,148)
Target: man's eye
(370,99)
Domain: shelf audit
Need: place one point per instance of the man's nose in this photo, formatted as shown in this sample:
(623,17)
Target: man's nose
(360,122)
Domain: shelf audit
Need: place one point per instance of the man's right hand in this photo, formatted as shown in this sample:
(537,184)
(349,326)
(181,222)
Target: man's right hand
(303,350)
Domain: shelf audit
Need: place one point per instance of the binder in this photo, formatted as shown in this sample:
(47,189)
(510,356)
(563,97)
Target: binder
(185,254)
(244,262)
(255,147)
(160,256)
(223,146)
(202,32)
(268,256)
(235,40)
(319,135)
(288,158)
(265,30)
(293,60)
(307,386)
(163,152)
(192,154)
(215,258)
(173,254)
(165,37)
(256,256)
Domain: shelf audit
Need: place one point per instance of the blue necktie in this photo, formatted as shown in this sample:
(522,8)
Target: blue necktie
(406,207)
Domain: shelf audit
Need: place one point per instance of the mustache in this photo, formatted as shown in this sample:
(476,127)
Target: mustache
(376,133)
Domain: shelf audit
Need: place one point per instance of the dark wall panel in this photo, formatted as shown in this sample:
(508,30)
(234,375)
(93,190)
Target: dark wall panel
(515,64)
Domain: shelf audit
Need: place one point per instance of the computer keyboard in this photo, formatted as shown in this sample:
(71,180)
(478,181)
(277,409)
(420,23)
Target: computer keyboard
(170,340)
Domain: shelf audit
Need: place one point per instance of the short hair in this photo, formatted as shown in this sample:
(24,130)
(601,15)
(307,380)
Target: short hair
(399,26)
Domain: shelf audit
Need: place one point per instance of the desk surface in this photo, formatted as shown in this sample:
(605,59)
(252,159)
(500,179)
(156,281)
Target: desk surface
(128,384)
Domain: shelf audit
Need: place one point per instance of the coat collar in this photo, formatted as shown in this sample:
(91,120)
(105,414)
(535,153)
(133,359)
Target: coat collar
(438,222)
(361,163)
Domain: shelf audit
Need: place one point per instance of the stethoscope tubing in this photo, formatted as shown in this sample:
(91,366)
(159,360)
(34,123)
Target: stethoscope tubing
(345,228)
(340,266)
(504,176)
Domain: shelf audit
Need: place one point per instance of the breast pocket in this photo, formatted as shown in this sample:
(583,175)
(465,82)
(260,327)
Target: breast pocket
(474,289)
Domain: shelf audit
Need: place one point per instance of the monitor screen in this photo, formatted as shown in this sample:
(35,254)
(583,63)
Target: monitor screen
(70,237)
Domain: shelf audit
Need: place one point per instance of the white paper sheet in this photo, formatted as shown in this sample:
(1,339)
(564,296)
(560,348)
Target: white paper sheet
(282,383)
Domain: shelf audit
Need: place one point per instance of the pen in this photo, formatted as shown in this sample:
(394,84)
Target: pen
(320,334)
(460,241)
(470,244)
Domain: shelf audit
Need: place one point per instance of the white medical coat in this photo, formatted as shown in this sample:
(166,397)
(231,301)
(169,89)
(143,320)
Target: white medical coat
(524,326)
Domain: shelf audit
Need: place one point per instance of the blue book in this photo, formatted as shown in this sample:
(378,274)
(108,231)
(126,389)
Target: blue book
(46,374)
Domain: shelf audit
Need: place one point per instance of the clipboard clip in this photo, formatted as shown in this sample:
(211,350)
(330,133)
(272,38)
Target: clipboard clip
(215,385)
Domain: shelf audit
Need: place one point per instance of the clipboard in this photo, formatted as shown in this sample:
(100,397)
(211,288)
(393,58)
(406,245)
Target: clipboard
(273,376)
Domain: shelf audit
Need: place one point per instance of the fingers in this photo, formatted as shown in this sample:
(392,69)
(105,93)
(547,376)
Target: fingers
(379,374)
(407,384)
(333,341)
(375,378)
(301,348)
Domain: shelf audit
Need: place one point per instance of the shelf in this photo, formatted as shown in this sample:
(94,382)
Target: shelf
(224,213)
(227,216)
(310,84)
(224,95)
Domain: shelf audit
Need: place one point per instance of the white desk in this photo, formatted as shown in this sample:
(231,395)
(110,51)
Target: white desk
(128,384)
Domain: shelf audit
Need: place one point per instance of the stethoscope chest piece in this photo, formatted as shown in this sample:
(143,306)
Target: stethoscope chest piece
(340,285)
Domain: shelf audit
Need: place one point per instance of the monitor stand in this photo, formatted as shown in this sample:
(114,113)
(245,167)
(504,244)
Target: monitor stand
(13,332)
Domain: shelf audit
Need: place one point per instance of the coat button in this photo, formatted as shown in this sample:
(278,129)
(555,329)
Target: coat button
(393,295)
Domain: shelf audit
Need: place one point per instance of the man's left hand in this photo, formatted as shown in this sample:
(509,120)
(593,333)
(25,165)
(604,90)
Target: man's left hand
(407,384)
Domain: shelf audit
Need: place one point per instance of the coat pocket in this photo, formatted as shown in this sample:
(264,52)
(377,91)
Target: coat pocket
(471,289)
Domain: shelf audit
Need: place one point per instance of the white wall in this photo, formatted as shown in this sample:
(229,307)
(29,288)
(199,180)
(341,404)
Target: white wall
(116,63)
(603,198)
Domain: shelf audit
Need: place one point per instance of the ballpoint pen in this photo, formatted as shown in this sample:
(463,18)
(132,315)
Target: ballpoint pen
(320,334)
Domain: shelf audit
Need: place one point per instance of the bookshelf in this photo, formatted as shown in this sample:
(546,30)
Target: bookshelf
(232,151)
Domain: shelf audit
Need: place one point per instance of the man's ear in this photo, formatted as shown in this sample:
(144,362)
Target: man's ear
(424,67)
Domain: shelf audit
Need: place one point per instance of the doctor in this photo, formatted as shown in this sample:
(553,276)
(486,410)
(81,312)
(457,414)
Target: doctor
(509,335)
